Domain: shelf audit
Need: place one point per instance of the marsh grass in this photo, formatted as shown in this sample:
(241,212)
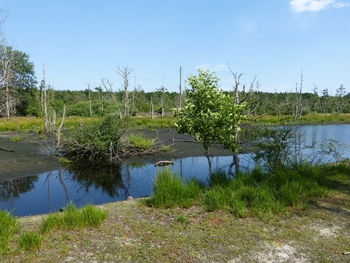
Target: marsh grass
(16,138)
(140,142)
(8,227)
(72,217)
(30,241)
(171,191)
(256,193)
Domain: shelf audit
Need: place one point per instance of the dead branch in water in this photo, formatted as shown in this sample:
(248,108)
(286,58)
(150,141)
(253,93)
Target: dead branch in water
(6,150)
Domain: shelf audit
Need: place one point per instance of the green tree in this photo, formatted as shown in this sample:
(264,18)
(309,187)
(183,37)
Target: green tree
(209,115)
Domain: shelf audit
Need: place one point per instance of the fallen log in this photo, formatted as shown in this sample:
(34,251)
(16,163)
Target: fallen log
(164,163)
(6,150)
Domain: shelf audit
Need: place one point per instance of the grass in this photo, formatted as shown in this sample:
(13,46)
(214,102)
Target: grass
(311,118)
(29,241)
(64,160)
(16,138)
(36,124)
(8,227)
(256,194)
(182,219)
(140,142)
(171,191)
(71,218)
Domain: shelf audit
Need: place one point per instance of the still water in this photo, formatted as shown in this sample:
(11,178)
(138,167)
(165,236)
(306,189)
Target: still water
(51,190)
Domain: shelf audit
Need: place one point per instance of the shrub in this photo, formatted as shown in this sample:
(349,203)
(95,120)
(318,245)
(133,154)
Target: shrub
(30,241)
(8,227)
(96,141)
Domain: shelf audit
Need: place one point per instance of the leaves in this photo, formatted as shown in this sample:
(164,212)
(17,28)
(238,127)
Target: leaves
(209,114)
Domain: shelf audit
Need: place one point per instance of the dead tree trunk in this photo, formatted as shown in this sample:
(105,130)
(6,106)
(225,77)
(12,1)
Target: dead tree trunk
(180,89)
(90,106)
(124,72)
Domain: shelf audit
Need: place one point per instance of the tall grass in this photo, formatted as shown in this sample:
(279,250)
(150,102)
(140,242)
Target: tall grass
(29,241)
(71,218)
(256,193)
(171,191)
(8,228)
(140,142)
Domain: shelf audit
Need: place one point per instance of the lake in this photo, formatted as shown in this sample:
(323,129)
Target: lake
(83,184)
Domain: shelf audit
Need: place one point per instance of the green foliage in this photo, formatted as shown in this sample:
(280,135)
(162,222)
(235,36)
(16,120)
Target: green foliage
(8,227)
(30,241)
(140,142)
(209,114)
(63,160)
(71,218)
(170,191)
(96,141)
(272,148)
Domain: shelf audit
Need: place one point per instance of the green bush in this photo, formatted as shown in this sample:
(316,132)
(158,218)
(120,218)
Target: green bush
(71,217)
(8,227)
(30,241)
(96,141)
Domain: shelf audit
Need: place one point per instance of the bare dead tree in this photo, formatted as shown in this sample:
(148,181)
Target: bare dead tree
(237,100)
(298,104)
(125,72)
(58,134)
(152,108)
(180,88)
(108,86)
(90,106)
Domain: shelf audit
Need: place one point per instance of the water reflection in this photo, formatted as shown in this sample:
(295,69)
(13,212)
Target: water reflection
(14,188)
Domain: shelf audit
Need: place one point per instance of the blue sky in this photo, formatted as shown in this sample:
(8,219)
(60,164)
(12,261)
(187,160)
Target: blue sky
(83,41)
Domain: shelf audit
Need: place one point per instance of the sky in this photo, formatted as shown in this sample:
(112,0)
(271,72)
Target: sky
(82,41)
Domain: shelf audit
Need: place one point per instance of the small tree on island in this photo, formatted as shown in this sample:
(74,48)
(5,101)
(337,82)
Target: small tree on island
(209,115)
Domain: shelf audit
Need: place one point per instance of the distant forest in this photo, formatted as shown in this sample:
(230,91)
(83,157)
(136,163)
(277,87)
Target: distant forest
(22,95)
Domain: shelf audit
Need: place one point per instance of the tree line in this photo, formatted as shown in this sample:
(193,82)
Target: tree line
(21,94)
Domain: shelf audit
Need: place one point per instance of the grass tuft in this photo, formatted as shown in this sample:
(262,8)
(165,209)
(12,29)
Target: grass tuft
(171,191)
(140,142)
(71,218)
(8,227)
(30,241)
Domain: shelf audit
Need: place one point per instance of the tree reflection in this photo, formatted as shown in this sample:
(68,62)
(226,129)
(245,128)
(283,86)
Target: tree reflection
(107,177)
(10,189)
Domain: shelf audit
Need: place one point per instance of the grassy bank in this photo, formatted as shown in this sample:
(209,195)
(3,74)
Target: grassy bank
(36,124)
(133,232)
(305,119)
(257,193)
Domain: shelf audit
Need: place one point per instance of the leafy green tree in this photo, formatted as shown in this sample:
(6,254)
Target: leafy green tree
(209,115)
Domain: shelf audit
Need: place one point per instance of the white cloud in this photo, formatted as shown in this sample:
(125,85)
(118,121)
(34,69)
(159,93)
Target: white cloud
(300,6)
(212,67)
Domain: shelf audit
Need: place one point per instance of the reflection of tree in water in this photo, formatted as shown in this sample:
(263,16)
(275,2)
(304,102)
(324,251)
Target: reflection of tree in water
(10,189)
(108,177)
